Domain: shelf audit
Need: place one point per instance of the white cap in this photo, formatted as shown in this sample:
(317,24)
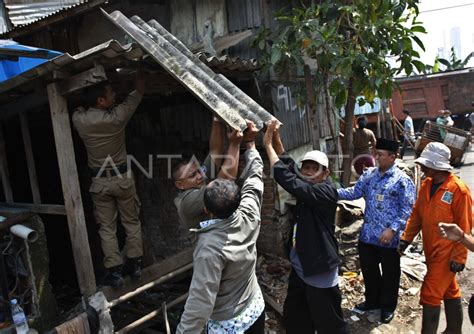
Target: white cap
(435,156)
(317,156)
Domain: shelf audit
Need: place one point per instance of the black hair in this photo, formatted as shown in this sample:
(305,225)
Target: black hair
(222,198)
(177,167)
(406,112)
(362,122)
(92,93)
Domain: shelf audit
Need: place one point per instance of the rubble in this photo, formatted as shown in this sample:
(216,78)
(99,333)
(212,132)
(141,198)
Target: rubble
(273,273)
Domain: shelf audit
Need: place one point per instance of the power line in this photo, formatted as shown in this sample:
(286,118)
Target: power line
(444,8)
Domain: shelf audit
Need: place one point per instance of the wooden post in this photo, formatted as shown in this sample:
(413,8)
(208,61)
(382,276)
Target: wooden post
(30,160)
(5,175)
(71,190)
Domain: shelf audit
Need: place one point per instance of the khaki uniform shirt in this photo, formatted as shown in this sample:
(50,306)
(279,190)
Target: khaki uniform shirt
(103,131)
(190,202)
(362,138)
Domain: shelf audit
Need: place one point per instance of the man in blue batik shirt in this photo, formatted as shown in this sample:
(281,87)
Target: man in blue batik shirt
(389,196)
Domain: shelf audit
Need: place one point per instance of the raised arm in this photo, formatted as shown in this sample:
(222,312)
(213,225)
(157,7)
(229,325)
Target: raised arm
(216,142)
(124,111)
(285,173)
(231,161)
(252,188)
(272,142)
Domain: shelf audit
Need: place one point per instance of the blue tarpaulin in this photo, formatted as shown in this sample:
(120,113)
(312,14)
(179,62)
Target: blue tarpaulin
(16,58)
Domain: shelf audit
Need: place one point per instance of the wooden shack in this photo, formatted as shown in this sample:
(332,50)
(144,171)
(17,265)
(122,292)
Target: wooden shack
(43,163)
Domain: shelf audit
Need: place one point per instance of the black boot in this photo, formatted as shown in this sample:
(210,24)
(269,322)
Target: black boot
(430,319)
(454,316)
(114,276)
(133,267)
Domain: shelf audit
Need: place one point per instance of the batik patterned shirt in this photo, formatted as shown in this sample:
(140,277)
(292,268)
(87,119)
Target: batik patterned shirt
(389,199)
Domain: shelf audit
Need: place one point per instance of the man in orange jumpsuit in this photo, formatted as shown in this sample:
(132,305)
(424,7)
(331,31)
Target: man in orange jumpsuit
(443,197)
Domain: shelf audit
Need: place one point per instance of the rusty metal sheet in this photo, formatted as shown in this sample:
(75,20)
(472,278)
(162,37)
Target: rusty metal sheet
(214,90)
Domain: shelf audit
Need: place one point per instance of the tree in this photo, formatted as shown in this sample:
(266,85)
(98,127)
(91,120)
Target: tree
(350,41)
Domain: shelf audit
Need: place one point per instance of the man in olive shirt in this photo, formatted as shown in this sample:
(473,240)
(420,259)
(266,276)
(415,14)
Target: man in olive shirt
(102,129)
(190,178)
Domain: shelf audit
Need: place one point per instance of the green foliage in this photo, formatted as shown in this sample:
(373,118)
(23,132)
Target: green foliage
(350,41)
(454,63)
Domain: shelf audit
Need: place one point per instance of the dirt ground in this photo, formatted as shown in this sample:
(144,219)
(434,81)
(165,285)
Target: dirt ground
(273,276)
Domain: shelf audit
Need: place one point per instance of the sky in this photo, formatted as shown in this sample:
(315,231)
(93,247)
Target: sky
(443,20)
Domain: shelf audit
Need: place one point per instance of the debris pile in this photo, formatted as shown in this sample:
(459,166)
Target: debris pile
(273,273)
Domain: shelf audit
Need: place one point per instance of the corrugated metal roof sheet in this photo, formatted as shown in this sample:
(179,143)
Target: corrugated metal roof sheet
(215,91)
(21,13)
(112,49)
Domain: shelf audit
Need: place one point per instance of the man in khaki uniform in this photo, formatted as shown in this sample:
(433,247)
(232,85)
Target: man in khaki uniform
(102,129)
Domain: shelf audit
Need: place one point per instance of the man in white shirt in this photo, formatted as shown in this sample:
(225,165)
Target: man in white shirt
(408,132)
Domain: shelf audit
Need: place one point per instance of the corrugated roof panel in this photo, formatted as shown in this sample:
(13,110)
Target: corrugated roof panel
(21,14)
(110,49)
(214,90)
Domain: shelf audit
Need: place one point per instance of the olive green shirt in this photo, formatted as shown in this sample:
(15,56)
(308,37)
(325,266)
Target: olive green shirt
(103,131)
(190,202)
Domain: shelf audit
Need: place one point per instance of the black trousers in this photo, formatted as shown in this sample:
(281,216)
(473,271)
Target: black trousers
(381,288)
(258,326)
(308,309)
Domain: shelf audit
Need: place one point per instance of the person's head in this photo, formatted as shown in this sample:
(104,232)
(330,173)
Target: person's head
(362,122)
(386,153)
(315,166)
(444,113)
(434,160)
(221,198)
(406,112)
(187,175)
(100,96)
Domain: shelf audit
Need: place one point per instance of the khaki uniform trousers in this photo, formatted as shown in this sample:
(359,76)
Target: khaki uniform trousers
(113,195)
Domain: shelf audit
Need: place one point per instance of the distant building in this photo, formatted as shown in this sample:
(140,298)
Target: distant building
(456,40)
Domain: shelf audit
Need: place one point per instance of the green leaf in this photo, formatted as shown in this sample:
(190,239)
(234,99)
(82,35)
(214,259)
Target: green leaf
(275,56)
(420,67)
(419,42)
(418,29)
(444,62)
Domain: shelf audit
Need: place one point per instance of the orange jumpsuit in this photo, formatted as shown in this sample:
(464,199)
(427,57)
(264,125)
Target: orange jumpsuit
(451,203)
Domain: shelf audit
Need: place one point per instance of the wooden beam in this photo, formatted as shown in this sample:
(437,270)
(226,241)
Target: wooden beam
(151,273)
(30,160)
(71,190)
(4,174)
(82,80)
(48,209)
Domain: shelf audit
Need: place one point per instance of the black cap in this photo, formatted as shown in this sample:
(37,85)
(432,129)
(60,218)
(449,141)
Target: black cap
(388,145)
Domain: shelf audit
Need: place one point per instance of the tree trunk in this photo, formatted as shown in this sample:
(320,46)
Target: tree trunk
(313,121)
(348,138)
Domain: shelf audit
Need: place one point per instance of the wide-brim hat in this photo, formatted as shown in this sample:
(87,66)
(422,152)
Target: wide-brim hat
(435,156)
